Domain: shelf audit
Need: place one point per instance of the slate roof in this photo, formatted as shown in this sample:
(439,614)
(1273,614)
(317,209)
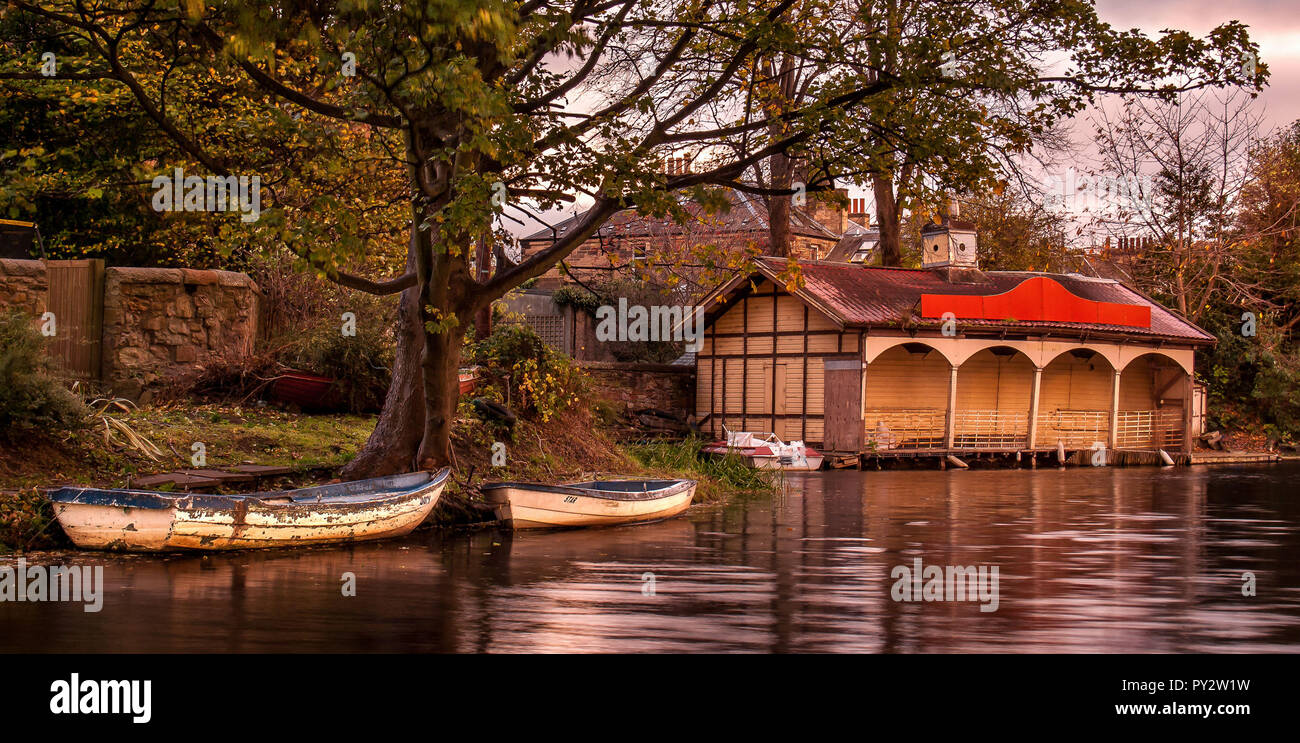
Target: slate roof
(856,237)
(872,296)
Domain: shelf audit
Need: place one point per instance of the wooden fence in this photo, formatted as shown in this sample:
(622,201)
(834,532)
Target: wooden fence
(76,301)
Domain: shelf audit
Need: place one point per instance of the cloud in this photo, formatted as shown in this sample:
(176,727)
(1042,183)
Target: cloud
(1274,25)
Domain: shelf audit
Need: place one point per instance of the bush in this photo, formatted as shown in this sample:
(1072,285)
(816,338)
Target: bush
(361,365)
(527,374)
(27,522)
(1252,381)
(32,397)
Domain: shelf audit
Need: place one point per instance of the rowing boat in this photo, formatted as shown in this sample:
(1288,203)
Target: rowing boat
(765,451)
(524,505)
(151,521)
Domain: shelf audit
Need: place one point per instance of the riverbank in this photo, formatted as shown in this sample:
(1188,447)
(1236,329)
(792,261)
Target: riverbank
(571,446)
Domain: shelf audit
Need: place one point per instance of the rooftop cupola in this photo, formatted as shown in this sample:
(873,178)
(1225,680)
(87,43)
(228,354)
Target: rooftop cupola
(949,243)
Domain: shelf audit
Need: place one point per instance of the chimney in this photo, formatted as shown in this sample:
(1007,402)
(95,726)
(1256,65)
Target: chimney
(677,165)
(858,210)
(828,209)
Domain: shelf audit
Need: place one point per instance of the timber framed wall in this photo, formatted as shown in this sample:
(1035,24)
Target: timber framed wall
(761,365)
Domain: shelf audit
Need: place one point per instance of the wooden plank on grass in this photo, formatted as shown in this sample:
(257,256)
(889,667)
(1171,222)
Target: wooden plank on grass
(220,475)
(179,479)
(262,470)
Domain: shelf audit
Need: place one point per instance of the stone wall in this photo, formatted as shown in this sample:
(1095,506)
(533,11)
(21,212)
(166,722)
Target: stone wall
(637,386)
(23,284)
(161,321)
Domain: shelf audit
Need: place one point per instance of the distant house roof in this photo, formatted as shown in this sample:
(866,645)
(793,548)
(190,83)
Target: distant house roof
(747,213)
(858,245)
(870,296)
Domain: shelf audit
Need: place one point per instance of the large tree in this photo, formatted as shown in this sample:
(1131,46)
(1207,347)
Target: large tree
(1173,172)
(480,103)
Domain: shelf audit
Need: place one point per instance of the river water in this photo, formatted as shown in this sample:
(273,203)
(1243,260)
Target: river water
(1089,560)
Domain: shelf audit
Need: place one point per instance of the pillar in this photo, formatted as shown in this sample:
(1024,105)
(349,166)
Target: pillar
(1033,407)
(950,434)
(1114,412)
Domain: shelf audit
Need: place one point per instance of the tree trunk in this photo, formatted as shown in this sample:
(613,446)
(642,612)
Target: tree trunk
(441,395)
(778,207)
(891,250)
(392,446)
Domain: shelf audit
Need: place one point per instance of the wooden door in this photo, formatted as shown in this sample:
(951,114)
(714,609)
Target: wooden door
(77,301)
(843,404)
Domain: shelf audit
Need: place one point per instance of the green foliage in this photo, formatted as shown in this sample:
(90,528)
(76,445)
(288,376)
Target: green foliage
(80,155)
(1251,380)
(684,457)
(1018,235)
(32,397)
(610,293)
(576,297)
(27,522)
(361,365)
(525,373)
(453,97)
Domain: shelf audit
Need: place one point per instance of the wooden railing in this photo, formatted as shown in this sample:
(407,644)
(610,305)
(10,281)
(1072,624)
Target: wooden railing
(990,429)
(909,429)
(1075,429)
(1150,429)
(904,428)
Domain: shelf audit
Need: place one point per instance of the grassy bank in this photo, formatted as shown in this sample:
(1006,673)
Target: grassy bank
(573,445)
(230,435)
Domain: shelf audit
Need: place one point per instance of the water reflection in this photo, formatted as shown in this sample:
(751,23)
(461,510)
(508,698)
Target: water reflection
(1090,560)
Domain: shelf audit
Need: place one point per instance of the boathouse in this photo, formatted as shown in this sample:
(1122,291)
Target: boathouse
(946,359)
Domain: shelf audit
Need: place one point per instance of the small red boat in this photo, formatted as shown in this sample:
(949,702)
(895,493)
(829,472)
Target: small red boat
(307,391)
(468,379)
(765,451)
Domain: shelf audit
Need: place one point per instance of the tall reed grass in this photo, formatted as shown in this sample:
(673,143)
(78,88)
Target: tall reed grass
(731,472)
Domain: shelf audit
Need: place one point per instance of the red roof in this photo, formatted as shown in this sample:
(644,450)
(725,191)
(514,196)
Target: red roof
(1040,298)
(867,296)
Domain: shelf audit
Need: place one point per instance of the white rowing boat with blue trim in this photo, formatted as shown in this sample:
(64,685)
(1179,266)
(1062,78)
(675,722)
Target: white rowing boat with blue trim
(152,521)
(522,505)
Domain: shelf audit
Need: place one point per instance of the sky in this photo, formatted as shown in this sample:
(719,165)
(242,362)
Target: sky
(1273,24)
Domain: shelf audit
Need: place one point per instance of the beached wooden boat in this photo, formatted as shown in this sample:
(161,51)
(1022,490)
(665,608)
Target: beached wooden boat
(602,503)
(150,521)
(767,452)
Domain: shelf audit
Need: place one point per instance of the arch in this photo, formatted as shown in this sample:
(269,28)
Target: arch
(1075,395)
(906,400)
(877,346)
(997,377)
(900,378)
(1182,359)
(1154,392)
(1109,353)
(1152,380)
(994,395)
